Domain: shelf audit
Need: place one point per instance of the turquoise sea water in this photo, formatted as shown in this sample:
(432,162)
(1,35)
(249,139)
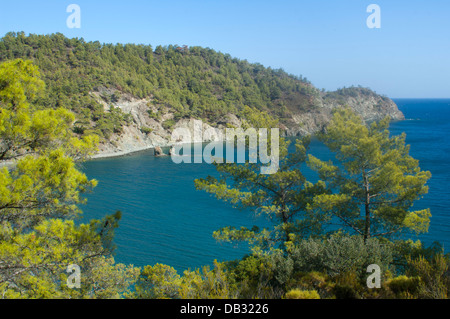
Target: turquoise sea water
(165,220)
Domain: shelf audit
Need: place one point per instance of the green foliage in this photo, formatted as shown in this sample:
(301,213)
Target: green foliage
(314,280)
(340,254)
(280,275)
(40,191)
(163,282)
(335,267)
(158,282)
(207,284)
(192,82)
(406,250)
(373,189)
(146,130)
(341,95)
(34,264)
(41,188)
(44,182)
(282,197)
(168,124)
(434,276)
(302,294)
(404,287)
(254,276)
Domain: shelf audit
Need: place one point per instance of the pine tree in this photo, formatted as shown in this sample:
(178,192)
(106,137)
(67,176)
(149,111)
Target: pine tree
(40,190)
(374,186)
(283,197)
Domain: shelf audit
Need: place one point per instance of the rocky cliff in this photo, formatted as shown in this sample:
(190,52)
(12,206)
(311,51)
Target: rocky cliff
(146,132)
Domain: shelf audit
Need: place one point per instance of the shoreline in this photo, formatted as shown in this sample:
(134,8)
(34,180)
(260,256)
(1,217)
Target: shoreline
(105,155)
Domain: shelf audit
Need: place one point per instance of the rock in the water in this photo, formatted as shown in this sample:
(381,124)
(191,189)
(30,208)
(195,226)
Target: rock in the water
(159,151)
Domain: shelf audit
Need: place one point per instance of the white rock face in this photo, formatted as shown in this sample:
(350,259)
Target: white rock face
(195,131)
(146,132)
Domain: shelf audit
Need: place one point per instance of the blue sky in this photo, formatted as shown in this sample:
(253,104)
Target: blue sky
(326,41)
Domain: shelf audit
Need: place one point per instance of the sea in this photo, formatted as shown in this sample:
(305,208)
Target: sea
(166,220)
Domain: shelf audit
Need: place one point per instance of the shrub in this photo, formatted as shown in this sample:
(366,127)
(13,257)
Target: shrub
(348,285)
(345,292)
(146,130)
(153,115)
(302,294)
(168,124)
(79,130)
(341,254)
(254,277)
(434,275)
(404,286)
(314,280)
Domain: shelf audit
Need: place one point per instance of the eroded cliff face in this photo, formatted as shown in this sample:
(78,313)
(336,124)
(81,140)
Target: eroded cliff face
(371,106)
(146,131)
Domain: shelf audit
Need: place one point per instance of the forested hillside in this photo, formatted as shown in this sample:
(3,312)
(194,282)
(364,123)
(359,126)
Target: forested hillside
(194,82)
(176,82)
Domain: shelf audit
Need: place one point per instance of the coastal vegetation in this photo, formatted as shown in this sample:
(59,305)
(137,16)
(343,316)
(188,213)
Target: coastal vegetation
(173,83)
(190,81)
(39,196)
(324,235)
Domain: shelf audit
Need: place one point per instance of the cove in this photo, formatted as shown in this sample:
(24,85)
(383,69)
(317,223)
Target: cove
(165,220)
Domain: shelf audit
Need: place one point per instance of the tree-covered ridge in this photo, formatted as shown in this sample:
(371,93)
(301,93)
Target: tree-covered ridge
(190,81)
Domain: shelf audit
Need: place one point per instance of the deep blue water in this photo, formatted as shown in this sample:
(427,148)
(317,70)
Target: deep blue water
(165,220)
(427,129)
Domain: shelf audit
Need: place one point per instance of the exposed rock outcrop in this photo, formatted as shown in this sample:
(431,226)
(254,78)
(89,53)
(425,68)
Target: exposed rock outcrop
(147,132)
(159,152)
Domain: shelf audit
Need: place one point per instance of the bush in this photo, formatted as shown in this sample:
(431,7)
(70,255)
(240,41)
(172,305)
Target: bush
(345,292)
(302,294)
(79,130)
(434,275)
(146,130)
(254,278)
(341,254)
(168,124)
(404,286)
(349,285)
(153,115)
(314,280)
